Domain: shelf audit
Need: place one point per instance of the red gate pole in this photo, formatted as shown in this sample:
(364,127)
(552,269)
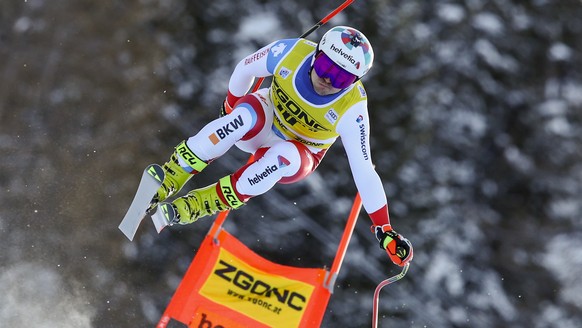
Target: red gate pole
(344,242)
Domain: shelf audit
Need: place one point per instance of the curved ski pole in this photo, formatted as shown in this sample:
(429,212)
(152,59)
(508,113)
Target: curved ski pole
(379,288)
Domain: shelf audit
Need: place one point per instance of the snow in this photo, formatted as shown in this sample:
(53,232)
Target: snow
(565,208)
(564,259)
(38,296)
(261,27)
(451,13)
(518,159)
(489,23)
(22,24)
(487,50)
(573,93)
(559,126)
(553,107)
(560,52)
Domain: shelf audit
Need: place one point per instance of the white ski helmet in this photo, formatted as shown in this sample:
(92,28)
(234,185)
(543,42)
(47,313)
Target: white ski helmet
(349,48)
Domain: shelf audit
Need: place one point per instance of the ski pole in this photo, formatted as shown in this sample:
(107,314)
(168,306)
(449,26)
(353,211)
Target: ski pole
(312,29)
(327,18)
(377,293)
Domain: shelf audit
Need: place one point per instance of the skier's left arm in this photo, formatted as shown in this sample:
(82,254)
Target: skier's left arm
(354,130)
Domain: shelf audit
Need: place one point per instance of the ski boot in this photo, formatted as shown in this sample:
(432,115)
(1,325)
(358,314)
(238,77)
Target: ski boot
(198,203)
(183,164)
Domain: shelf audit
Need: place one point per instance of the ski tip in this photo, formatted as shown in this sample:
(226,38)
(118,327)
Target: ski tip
(152,178)
(168,211)
(163,216)
(156,172)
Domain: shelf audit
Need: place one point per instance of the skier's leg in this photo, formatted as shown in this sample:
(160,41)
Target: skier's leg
(212,141)
(285,162)
(183,164)
(261,133)
(217,197)
(245,121)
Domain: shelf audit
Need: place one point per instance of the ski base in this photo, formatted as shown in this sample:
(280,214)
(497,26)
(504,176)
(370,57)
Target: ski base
(151,180)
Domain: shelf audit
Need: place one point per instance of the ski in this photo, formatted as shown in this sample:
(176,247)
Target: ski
(151,180)
(164,215)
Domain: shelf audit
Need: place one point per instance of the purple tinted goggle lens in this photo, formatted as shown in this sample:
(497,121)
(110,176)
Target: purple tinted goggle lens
(326,68)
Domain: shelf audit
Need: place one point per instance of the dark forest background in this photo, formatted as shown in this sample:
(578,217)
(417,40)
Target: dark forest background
(477,134)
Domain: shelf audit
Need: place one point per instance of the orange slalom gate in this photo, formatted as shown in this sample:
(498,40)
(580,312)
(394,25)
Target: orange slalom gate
(228,285)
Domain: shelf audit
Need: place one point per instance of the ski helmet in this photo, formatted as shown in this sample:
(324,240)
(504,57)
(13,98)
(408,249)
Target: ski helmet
(349,48)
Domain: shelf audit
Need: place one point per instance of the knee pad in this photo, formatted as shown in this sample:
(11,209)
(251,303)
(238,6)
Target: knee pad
(254,104)
(308,164)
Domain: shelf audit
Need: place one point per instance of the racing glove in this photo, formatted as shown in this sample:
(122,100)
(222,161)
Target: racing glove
(399,249)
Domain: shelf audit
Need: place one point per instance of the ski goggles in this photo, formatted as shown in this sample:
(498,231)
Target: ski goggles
(325,68)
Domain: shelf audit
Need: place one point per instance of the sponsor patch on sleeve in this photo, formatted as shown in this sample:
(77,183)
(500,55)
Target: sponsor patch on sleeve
(284,72)
(331,116)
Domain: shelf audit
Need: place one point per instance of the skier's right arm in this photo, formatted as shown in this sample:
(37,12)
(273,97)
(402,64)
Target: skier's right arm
(261,63)
(243,76)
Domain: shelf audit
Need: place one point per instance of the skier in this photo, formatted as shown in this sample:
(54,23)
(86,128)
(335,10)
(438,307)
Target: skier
(315,96)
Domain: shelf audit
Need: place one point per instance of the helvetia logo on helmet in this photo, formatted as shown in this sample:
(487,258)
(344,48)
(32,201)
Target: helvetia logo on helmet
(348,57)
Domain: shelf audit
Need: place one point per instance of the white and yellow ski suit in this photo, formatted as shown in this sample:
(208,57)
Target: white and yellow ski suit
(289,127)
